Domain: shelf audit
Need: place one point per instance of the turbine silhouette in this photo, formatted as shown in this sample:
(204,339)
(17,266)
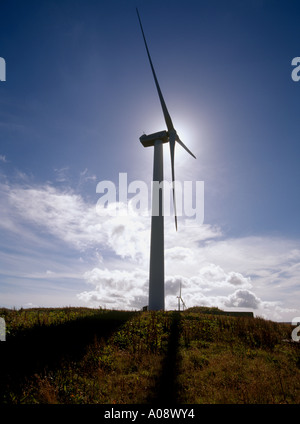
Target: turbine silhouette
(180,299)
(156,275)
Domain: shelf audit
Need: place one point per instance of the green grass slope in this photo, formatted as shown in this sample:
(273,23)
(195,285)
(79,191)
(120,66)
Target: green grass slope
(89,356)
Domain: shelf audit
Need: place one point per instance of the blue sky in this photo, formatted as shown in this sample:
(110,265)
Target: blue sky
(78,95)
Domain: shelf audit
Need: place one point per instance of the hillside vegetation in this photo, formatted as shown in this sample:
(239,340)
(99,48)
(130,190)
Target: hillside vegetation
(86,356)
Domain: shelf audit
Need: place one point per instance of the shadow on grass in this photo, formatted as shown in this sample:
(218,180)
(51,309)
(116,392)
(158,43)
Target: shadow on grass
(167,390)
(46,346)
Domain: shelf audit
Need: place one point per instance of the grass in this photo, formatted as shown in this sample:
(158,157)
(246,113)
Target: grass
(18,320)
(238,360)
(115,357)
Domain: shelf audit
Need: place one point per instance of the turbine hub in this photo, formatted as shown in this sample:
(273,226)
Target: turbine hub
(172,132)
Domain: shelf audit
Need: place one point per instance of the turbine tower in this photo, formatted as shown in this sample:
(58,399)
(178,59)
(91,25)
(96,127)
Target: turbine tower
(157,271)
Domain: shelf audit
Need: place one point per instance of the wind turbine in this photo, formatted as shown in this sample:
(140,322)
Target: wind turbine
(156,275)
(180,299)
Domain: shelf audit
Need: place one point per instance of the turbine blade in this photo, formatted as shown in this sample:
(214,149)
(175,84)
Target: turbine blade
(184,146)
(172,152)
(184,305)
(167,117)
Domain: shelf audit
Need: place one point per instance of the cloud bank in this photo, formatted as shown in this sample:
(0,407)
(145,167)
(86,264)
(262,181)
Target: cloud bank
(107,256)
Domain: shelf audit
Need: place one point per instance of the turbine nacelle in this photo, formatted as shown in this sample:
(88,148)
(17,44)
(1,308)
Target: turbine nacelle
(148,140)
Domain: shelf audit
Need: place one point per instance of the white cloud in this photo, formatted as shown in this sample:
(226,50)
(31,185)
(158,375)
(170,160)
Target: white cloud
(214,275)
(62,174)
(113,288)
(85,177)
(63,214)
(68,217)
(238,279)
(3,158)
(243,299)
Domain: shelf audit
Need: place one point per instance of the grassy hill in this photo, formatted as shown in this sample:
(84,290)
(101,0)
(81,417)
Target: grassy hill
(201,355)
